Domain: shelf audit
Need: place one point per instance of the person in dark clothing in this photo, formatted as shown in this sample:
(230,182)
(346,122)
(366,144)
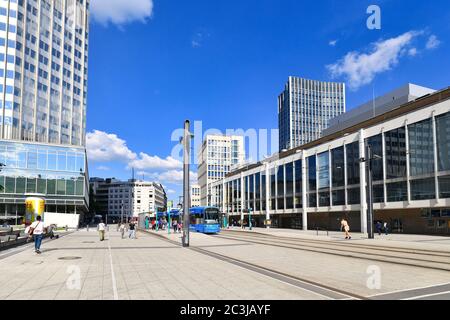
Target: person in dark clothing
(132,231)
(379,227)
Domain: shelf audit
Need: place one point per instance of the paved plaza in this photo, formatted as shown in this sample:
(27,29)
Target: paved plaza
(155,267)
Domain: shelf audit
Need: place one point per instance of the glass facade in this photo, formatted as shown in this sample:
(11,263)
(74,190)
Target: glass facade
(289,185)
(51,171)
(333,176)
(298,184)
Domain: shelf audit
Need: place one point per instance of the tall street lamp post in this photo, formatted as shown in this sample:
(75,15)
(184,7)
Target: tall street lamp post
(369,163)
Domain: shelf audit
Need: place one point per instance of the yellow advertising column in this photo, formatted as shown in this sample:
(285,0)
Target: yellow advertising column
(34,207)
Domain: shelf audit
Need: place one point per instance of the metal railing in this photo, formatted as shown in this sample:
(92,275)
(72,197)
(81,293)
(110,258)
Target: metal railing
(321,229)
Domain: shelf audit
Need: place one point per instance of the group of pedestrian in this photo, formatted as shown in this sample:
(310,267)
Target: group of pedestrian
(380,226)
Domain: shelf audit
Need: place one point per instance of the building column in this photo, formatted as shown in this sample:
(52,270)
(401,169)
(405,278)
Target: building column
(304,198)
(224,196)
(267,188)
(242,198)
(383,152)
(362,175)
(436,159)
(345,175)
(408,167)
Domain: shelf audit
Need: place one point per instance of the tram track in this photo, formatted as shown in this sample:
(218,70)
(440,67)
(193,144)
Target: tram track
(301,283)
(401,256)
(347,243)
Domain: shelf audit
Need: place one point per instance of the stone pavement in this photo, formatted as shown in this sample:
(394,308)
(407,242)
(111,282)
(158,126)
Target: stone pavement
(79,266)
(426,242)
(337,271)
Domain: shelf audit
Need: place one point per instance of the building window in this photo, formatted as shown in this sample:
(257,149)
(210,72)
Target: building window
(323,169)
(352,151)
(421,149)
(376,145)
(280,188)
(298,184)
(289,167)
(395,141)
(423,189)
(397,191)
(443,141)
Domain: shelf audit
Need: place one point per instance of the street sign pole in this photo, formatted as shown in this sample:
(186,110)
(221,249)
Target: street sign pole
(370,195)
(168,219)
(186,191)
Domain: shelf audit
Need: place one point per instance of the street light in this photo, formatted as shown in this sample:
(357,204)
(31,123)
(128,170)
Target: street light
(370,217)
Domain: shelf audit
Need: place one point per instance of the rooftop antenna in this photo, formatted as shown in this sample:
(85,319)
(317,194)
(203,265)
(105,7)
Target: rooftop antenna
(132,177)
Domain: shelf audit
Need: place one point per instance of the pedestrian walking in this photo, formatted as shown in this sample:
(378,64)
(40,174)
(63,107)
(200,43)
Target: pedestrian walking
(101,228)
(175,225)
(122,229)
(132,231)
(146,223)
(386,228)
(379,227)
(36,231)
(346,228)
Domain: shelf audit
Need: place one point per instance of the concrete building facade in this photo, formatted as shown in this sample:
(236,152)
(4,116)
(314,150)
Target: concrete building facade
(128,199)
(315,185)
(218,154)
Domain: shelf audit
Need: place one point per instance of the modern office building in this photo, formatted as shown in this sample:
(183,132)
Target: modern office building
(195,196)
(127,199)
(43,93)
(217,155)
(314,185)
(305,108)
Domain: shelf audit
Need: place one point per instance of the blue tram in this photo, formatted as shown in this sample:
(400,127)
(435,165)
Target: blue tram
(205,220)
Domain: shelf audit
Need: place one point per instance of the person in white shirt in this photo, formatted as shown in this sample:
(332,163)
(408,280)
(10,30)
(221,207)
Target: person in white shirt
(37,231)
(101,230)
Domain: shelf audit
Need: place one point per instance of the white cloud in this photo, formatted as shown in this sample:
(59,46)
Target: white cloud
(412,52)
(433,42)
(103,168)
(170,191)
(146,162)
(175,177)
(108,147)
(105,147)
(360,68)
(121,12)
(333,43)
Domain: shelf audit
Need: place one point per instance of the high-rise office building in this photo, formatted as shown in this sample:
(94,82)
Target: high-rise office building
(43,94)
(217,156)
(305,108)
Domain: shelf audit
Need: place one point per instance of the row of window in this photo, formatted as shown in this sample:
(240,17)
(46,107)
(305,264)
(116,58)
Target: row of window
(328,173)
(21,185)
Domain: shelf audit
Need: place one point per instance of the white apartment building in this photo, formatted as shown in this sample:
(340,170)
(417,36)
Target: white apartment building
(136,197)
(195,196)
(218,154)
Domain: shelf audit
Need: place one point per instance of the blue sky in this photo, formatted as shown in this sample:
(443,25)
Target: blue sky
(153,64)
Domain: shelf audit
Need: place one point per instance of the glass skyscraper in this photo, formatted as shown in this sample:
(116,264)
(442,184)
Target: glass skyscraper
(43,93)
(305,108)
